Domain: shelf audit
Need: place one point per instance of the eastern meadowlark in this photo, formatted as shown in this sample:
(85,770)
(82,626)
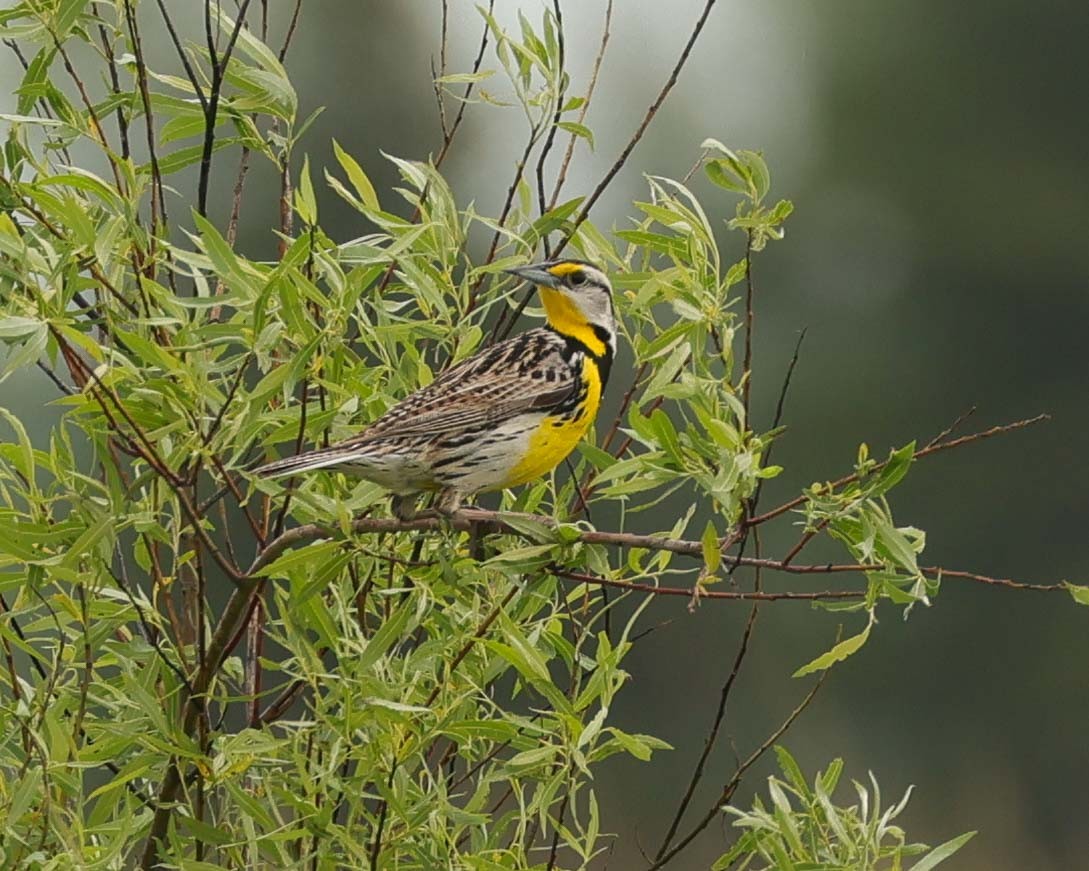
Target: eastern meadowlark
(501,418)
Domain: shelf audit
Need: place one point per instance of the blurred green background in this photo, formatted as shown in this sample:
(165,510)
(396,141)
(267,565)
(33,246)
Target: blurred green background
(935,153)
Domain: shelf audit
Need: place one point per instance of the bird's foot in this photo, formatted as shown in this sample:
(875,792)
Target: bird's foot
(448,503)
(404,507)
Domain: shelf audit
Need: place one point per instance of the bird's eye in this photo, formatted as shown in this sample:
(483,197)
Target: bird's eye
(577,279)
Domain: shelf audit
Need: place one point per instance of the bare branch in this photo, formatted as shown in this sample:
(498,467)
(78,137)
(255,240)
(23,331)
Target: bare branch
(931,448)
(561,176)
(292,25)
(698,593)
(555,125)
(712,735)
(731,786)
(642,128)
(219,66)
(183,56)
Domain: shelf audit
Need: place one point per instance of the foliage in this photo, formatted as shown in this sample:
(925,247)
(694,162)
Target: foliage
(410,699)
(801,828)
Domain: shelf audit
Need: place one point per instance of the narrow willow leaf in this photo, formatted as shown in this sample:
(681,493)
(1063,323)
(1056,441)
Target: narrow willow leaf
(305,203)
(357,177)
(712,552)
(942,852)
(16,327)
(579,130)
(838,653)
(390,631)
(1079,593)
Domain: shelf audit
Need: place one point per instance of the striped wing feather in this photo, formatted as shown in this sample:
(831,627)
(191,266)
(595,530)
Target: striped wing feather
(525,373)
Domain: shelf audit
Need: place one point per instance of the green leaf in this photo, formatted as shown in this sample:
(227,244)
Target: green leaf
(305,203)
(1079,593)
(307,555)
(895,468)
(357,177)
(533,758)
(712,553)
(31,119)
(526,657)
(228,265)
(390,631)
(68,13)
(724,173)
(531,528)
(15,327)
(791,770)
(758,172)
(639,746)
(838,653)
(183,157)
(578,130)
(81,548)
(30,351)
(942,852)
(465,78)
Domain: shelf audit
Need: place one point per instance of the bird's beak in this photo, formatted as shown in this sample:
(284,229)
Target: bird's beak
(536,274)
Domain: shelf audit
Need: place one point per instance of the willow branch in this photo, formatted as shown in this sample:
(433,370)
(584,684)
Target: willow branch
(642,128)
(931,448)
(731,786)
(561,176)
(697,592)
(497,522)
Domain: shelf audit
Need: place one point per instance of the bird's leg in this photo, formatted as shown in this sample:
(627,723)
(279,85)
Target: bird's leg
(448,502)
(403,506)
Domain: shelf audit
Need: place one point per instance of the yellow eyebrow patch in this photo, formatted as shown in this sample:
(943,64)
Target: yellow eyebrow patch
(562,269)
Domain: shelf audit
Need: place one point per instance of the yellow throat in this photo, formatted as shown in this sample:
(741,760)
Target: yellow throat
(566,318)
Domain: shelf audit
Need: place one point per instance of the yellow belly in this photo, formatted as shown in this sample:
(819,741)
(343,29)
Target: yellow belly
(557,436)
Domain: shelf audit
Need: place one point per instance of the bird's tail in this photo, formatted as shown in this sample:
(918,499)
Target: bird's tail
(322,458)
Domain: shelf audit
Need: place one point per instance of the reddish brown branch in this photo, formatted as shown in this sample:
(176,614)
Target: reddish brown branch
(697,593)
(931,448)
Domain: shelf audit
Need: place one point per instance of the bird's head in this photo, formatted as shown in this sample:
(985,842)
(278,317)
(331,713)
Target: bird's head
(578,301)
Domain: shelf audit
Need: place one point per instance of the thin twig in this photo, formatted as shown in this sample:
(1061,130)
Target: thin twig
(508,203)
(698,593)
(449,138)
(731,786)
(52,376)
(158,198)
(750,317)
(555,125)
(291,26)
(561,175)
(150,634)
(780,405)
(437,76)
(219,66)
(183,56)
(922,452)
(641,129)
(945,433)
(88,106)
(716,724)
(255,634)
(115,88)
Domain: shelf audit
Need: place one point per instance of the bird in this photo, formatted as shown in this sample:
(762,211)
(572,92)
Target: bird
(503,417)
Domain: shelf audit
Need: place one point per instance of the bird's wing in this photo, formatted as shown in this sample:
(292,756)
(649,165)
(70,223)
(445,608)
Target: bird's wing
(525,373)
